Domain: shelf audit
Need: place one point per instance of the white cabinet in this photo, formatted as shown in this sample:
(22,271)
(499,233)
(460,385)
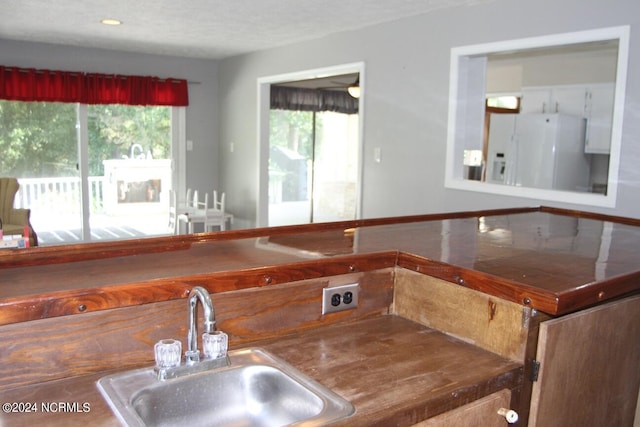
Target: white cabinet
(594,102)
(550,100)
(535,100)
(570,100)
(599,114)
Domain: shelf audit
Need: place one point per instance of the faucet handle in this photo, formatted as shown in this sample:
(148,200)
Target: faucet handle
(167,353)
(215,344)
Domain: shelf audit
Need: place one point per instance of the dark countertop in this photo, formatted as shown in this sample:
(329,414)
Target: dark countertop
(394,371)
(555,261)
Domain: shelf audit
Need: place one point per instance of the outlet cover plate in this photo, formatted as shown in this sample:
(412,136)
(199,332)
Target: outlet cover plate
(339,298)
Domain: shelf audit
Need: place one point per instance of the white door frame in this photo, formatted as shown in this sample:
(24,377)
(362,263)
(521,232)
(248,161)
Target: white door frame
(264,87)
(179,149)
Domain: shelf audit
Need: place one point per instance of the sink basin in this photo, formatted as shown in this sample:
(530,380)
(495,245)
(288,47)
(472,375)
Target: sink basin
(257,389)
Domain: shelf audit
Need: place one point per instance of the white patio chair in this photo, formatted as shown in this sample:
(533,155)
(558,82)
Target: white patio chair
(216,216)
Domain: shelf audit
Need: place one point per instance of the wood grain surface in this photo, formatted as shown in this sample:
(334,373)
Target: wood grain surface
(394,371)
(60,347)
(594,354)
(551,260)
(491,323)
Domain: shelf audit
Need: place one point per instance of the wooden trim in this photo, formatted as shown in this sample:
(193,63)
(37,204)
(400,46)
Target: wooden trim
(586,296)
(591,215)
(555,304)
(54,304)
(66,302)
(511,291)
(42,255)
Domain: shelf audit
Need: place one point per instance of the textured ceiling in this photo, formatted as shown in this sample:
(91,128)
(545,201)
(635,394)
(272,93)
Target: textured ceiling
(199,28)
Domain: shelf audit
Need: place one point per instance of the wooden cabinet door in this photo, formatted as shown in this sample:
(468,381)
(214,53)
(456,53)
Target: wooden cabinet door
(589,367)
(481,413)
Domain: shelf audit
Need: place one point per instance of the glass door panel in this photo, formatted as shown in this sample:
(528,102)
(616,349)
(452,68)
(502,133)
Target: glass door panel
(335,167)
(39,146)
(290,163)
(313,167)
(129,170)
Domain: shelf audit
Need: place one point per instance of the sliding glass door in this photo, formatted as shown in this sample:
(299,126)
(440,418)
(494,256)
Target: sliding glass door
(89,172)
(129,170)
(313,167)
(335,167)
(39,146)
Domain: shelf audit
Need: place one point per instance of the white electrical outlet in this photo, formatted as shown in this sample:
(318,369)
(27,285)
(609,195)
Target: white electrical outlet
(340,298)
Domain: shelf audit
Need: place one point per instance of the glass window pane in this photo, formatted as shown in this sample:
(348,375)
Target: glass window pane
(39,146)
(510,102)
(129,170)
(336,167)
(312,172)
(290,157)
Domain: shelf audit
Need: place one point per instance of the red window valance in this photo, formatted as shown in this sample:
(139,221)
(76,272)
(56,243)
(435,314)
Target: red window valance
(20,84)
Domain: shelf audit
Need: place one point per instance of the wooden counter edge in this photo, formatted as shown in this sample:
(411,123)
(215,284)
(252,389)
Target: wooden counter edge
(79,301)
(98,250)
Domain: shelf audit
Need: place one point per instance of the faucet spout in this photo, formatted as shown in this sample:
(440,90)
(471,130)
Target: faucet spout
(132,151)
(200,294)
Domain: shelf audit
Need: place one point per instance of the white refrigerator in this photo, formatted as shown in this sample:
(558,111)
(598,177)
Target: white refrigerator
(538,151)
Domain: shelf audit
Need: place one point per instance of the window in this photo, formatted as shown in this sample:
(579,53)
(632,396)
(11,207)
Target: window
(108,181)
(606,52)
(506,101)
(93,152)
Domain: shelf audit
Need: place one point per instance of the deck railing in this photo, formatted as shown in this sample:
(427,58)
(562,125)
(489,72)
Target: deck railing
(60,195)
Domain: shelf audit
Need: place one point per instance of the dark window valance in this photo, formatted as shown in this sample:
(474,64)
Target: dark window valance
(300,99)
(28,84)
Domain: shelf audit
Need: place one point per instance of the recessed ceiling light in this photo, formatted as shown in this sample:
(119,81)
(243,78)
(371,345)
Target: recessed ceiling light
(111,22)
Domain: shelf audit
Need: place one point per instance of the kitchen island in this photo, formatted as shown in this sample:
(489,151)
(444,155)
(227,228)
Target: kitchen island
(490,279)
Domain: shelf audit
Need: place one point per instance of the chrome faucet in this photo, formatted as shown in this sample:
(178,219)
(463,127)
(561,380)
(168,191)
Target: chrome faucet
(132,152)
(192,361)
(192,355)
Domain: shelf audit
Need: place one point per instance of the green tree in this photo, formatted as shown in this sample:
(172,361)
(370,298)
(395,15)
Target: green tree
(39,139)
(115,129)
(293,130)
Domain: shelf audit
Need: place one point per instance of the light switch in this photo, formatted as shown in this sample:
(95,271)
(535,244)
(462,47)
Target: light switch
(189,145)
(377,154)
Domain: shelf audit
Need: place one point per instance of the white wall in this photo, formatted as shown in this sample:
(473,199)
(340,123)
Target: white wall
(507,74)
(201,114)
(406,101)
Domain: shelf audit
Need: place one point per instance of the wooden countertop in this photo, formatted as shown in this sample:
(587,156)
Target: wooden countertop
(553,260)
(394,371)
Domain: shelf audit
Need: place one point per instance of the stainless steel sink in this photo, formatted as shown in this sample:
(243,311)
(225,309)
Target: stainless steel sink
(257,389)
